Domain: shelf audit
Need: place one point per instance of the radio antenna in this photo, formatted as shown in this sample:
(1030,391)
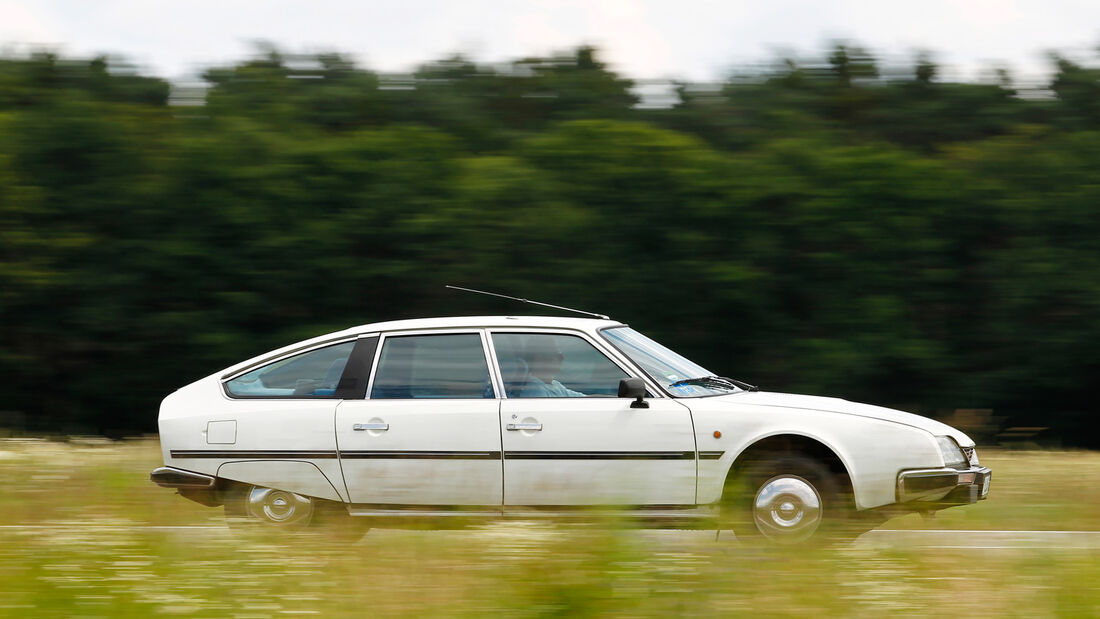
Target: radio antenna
(504,296)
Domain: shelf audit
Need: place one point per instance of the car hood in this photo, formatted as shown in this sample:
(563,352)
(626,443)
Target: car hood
(844,407)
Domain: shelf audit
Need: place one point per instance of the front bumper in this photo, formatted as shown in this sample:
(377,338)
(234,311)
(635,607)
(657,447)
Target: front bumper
(944,487)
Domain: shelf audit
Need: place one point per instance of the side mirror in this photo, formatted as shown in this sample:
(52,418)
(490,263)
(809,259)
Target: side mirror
(633,388)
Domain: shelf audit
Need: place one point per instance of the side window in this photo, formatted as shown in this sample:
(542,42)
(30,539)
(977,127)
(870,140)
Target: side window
(544,365)
(432,366)
(312,374)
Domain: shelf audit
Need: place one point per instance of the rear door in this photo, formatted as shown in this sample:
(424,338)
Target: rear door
(428,432)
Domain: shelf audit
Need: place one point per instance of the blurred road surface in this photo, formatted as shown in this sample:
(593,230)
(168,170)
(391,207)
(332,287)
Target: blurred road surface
(686,540)
(939,538)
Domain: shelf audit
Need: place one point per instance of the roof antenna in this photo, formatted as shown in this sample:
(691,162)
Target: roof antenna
(493,294)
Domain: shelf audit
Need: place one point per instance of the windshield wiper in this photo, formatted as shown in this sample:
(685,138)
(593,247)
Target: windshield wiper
(715,380)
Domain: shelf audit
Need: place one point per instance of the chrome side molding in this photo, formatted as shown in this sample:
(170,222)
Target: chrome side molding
(527,512)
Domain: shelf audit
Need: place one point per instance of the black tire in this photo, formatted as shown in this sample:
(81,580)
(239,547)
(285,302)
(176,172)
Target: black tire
(787,500)
(235,501)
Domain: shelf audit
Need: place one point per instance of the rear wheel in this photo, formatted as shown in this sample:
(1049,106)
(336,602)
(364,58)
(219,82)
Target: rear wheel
(785,500)
(250,507)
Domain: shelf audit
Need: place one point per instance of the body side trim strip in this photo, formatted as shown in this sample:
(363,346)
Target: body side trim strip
(241,453)
(421,455)
(446,455)
(599,455)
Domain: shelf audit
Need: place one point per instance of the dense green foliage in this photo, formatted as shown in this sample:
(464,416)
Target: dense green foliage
(824,229)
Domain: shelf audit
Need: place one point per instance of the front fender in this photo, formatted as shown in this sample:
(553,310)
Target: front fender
(873,451)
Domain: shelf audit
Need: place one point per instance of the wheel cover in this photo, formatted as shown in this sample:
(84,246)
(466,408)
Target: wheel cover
(787,509)
(279,507)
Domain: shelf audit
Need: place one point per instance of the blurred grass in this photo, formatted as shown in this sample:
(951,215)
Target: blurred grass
(58,567)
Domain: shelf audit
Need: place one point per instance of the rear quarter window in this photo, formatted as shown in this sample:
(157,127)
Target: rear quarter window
(312,374)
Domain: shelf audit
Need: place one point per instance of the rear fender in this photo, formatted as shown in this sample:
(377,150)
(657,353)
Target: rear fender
(291,475)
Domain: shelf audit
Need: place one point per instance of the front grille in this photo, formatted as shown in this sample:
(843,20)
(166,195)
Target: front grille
(971,455)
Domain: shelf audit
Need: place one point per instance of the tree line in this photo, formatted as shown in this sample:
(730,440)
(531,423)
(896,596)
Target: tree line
(814,227)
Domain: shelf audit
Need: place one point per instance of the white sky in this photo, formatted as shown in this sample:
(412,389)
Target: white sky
(686,39)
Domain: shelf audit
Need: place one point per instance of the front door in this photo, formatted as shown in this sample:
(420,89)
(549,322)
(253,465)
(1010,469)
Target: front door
(569,440)
(428,432)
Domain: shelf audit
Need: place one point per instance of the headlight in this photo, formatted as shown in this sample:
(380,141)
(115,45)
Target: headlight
(953,455)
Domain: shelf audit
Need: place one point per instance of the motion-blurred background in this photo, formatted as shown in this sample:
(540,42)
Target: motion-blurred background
(840,222)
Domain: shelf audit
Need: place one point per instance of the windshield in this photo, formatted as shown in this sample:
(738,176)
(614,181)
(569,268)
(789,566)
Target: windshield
(665,366)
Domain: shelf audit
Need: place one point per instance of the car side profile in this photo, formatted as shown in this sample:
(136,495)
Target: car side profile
(446,421)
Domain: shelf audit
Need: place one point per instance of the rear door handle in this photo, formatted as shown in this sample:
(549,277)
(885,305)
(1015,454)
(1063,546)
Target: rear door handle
(370,426)
(537,427)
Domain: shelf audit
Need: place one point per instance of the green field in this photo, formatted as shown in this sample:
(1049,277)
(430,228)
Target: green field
(76,542)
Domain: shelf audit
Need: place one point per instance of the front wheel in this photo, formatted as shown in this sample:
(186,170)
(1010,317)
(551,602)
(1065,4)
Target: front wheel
(787,500)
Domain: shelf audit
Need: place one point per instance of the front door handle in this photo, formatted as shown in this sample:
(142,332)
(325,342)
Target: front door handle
(512,427)
(370,426)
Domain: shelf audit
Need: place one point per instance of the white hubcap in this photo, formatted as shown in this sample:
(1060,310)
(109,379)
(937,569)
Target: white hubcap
(787,509)
(279,506)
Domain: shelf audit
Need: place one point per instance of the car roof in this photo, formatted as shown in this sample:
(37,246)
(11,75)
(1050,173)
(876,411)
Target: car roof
(452,322)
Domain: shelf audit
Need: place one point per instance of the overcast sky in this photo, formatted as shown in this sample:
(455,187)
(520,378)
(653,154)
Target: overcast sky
(685,39)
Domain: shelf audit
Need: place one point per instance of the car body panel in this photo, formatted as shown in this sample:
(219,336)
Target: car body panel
(598,451)
(872,450)
(844,407)
(439,452)
(298,476)
(268,429)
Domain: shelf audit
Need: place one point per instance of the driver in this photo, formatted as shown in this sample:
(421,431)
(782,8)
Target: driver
(543,363)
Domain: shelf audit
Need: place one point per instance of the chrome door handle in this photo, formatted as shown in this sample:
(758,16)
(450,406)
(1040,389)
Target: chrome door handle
(524,426)
(370,426)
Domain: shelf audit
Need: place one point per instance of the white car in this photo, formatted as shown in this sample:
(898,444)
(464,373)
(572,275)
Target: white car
(458,420)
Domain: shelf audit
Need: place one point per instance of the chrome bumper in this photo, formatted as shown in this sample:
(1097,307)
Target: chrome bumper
(945,486)
(168,477)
